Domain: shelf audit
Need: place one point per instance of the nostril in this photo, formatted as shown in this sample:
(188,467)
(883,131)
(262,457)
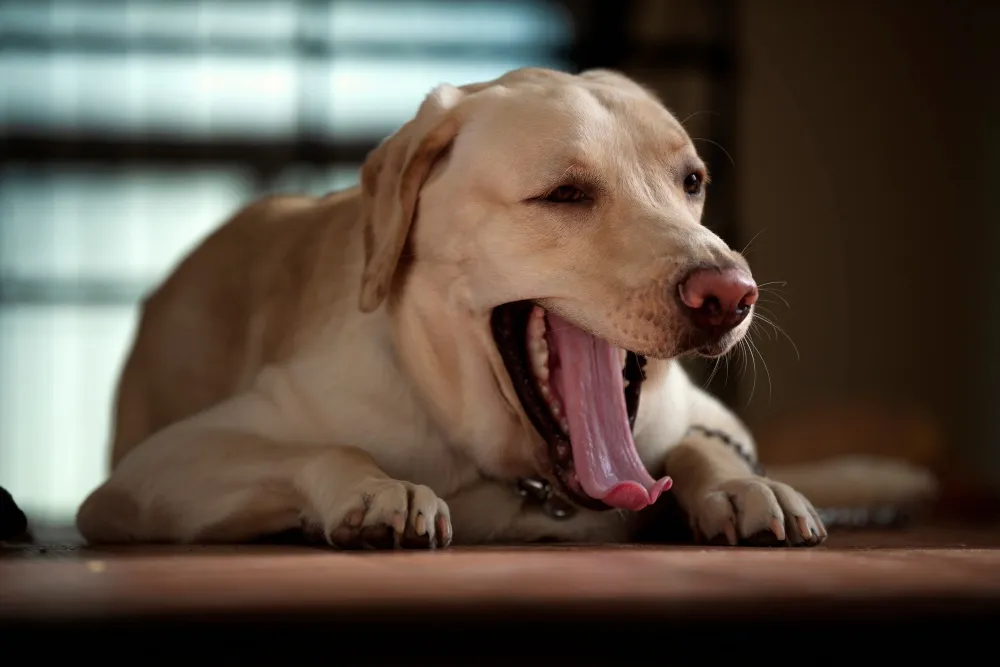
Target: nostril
(740,313)
(711,306)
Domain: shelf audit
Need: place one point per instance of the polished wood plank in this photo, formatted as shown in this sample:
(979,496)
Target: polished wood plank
(861,579)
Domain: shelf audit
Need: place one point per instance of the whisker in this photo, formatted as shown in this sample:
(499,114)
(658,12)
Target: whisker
(738,354)
(743,359)
(779,330)
(769,302)
(767,371)
(698,113)
(749,357)
(711,375)
(642,371)
(756,327)
(771,292)
(717,144)
(753,386)
(747,246)
(731,355)
(766,311)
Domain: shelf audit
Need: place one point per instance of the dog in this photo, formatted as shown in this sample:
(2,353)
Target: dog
(480,343)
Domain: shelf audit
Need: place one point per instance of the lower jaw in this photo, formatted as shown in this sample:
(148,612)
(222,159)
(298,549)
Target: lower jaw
(713,351)
(708,346)
(509,324)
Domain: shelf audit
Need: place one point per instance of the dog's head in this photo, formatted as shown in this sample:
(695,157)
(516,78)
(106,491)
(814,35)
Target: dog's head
(565,211)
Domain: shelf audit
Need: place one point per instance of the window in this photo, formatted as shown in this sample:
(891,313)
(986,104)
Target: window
(135,127)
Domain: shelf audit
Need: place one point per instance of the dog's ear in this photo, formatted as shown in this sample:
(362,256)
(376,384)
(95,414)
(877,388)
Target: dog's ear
(391,179)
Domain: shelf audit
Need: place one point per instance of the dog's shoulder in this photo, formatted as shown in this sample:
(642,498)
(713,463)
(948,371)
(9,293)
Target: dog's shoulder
(273,265)
(244,298)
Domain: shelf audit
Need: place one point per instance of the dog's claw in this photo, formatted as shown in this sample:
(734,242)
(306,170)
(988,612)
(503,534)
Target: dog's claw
(443,531)
(805,528)
(777,529)
(731,533)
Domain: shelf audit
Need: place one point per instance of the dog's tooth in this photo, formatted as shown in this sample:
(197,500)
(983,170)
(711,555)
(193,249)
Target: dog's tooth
(536,324)
(556,410)
(540,362)
(626,384)
(622,357)
(541,353)
(533,333)
(562,451)
(564,423)
(538,346)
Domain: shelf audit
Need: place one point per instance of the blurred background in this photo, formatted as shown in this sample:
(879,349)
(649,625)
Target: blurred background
(854,145)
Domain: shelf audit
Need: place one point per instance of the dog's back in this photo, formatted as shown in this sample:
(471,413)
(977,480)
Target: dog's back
(208,328)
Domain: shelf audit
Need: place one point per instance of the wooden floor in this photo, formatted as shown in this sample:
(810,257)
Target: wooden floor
(425,606)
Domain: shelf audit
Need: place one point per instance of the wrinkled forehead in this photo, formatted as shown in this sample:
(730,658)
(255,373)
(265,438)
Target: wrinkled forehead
(536,132)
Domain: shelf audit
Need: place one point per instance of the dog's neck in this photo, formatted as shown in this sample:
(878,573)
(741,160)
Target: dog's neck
(449,355)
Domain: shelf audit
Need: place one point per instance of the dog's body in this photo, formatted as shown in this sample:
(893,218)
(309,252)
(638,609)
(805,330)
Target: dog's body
(259,397)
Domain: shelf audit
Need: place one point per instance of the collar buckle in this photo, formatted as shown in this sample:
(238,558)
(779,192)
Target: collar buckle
(538,491)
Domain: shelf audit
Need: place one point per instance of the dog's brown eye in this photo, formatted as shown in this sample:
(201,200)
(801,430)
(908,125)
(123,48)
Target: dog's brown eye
(693,183)
(565,194)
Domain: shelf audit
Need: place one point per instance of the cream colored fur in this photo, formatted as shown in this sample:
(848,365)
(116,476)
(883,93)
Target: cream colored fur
(328,362)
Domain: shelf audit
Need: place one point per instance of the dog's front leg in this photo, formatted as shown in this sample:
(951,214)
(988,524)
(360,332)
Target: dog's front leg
(192,483)
(719,484)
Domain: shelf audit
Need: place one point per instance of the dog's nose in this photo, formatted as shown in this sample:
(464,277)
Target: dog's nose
(718,299)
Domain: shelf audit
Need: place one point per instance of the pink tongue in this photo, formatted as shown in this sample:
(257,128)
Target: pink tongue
(588,379)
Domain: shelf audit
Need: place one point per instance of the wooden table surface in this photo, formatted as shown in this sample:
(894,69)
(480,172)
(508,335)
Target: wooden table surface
(897,582)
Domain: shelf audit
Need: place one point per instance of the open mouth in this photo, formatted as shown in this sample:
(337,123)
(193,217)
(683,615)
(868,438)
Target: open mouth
(582,395)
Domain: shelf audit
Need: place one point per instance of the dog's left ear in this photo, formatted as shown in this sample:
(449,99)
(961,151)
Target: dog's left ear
(391,179)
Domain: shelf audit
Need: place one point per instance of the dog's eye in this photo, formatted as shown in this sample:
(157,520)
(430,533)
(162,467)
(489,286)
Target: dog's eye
(566,194)
(693,183)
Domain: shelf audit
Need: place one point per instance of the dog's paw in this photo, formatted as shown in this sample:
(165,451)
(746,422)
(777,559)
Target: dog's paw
(756,511)
(387,514)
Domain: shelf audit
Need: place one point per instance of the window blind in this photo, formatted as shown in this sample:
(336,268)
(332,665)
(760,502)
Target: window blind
(197,95)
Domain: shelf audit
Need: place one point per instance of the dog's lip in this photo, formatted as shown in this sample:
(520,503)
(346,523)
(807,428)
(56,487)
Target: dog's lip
(710,347)
(685,343)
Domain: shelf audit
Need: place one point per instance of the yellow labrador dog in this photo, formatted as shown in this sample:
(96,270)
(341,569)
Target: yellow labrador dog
(475,345)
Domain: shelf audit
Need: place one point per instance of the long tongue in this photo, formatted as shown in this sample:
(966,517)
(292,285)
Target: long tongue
(588,379)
